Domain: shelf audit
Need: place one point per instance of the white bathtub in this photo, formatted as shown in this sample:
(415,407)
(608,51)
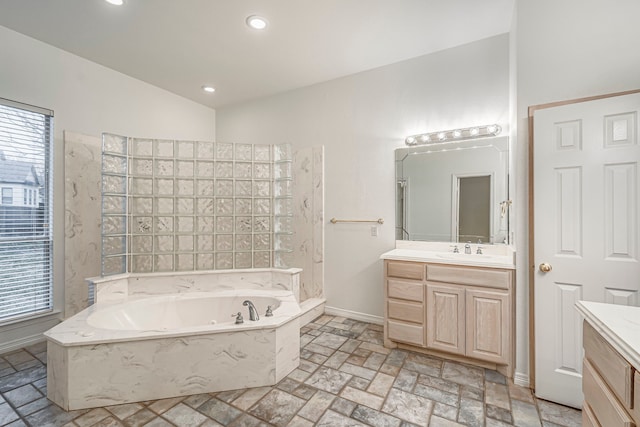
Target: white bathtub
(152,347)
(192,312)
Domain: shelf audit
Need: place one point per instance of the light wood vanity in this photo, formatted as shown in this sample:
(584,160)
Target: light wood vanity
(610,378)
(458,312)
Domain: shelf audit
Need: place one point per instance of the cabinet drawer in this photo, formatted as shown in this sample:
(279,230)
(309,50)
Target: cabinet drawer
(606,360)
(600,398)
(469,276)
(405,270)
(588,418)
(411,291)
(405,332)
(402,310)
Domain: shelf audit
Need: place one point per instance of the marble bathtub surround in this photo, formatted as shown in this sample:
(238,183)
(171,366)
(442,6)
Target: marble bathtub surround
(219,354)
(82,194)
(390,388)
(308,219)
(123,286)
(194,205)
(174,344)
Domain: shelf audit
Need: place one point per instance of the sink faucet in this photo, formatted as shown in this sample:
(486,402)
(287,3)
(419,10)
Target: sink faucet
(467,248)
(253,313)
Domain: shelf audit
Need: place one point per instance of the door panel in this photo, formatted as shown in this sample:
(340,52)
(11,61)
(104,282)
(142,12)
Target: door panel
(585,219)
(620,212)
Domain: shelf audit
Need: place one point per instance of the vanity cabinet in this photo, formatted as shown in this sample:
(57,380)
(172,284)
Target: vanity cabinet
(610,384)
(465,312)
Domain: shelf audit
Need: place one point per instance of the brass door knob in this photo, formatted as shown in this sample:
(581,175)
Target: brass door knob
(545,267)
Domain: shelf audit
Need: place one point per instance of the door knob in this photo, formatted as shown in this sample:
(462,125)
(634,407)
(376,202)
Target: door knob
(545,267)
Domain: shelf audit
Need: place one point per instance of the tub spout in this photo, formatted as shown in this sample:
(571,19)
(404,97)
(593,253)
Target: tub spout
(253,313)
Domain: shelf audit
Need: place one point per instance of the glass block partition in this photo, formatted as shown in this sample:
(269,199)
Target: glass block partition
(192,205)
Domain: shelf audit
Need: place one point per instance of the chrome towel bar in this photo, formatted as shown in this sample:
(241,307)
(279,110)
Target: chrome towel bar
(335,220)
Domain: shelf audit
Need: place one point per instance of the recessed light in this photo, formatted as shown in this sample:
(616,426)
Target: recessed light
(256,22)
(116,2)
(208,89)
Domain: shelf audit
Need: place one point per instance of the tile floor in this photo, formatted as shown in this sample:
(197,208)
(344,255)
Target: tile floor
(346,378)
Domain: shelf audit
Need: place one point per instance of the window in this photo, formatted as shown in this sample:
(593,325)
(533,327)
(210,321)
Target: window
(26,281)
(7,196)
(24,196)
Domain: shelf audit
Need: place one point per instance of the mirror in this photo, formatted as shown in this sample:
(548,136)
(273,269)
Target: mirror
(453,191)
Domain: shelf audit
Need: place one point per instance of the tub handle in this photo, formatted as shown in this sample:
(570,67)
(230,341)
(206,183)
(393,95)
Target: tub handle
(269,312)
(239,318)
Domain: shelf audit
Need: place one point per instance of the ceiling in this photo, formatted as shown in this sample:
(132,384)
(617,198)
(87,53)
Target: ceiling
(181,45)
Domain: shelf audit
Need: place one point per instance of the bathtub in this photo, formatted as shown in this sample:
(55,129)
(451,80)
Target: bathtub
(153,346)
(193,312)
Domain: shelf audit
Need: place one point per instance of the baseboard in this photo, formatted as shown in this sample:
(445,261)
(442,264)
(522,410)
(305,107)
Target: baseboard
(521,379)
(16,335)
(355,315)
(22,342)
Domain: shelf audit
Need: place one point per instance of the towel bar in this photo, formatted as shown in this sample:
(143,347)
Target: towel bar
(379,220)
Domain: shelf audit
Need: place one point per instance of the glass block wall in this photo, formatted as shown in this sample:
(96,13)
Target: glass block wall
(192,205)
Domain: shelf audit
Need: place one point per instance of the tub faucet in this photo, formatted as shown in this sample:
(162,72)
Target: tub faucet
(467,248)
(253,313)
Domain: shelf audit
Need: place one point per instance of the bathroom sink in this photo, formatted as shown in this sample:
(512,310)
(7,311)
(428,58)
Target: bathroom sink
(469,257)
(473,259)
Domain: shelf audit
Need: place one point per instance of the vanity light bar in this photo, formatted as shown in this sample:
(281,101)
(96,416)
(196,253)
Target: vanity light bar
(453,135)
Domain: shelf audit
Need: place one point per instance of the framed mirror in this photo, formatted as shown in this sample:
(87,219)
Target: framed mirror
(453,191)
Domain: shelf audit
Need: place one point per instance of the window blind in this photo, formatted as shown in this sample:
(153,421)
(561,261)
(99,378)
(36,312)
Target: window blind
(26,280)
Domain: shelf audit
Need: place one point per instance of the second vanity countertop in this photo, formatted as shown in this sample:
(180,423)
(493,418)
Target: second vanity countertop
(619,324)
(493,256)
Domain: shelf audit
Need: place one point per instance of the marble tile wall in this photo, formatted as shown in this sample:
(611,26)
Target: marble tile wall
(82,217)
(194,205)
(308,220)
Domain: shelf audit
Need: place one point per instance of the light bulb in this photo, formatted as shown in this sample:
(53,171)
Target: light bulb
(457,133)
(424,138)
(491,128)
(474,131)
(257,22)
(442,135)
(208,89)
(410,140)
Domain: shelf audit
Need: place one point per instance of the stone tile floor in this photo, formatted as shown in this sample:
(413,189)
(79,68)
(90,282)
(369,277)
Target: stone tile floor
(346,378)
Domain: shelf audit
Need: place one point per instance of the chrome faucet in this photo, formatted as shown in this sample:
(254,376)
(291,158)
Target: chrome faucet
(253,313)
(467,248)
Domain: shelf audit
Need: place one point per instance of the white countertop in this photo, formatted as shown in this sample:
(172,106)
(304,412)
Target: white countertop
(437,257)
(618,324)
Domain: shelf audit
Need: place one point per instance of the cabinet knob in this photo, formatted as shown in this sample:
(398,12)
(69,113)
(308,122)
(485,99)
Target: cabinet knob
(545,267)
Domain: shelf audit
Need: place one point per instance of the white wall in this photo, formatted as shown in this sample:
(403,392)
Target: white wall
(90,99)
(565,50)
(361,119)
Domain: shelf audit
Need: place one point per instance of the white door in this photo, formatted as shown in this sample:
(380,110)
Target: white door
(586,228)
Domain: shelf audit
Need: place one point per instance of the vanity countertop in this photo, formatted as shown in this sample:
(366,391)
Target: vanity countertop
(619,324)
(441,257)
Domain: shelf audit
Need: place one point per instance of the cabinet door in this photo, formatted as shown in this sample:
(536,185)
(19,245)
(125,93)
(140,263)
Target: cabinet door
(445,318)
(488,325)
